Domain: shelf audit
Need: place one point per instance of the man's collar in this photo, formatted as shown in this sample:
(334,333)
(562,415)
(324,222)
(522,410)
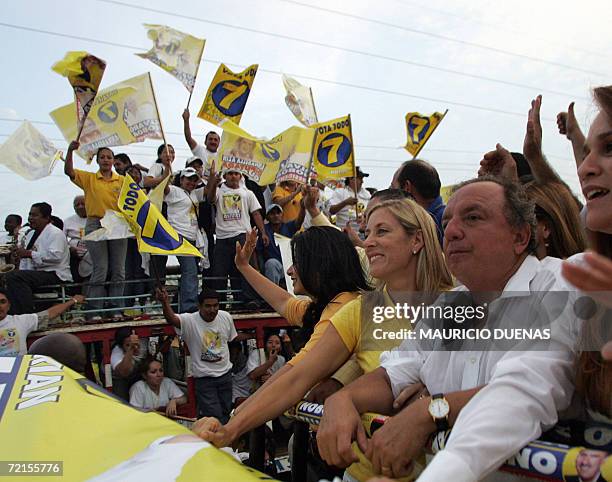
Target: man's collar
(436,203)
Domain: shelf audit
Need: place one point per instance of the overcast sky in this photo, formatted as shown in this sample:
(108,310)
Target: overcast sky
(374,60)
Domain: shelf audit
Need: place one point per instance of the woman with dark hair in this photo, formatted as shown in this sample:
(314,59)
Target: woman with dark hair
(161,168)
(155,391)
(259,372)
(126,358)
(559,232)
(592,272)
(101,190)
(405,256)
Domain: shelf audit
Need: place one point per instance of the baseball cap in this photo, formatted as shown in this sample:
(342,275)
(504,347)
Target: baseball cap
(360,173)
(189,172)
(191,160)
(272,206)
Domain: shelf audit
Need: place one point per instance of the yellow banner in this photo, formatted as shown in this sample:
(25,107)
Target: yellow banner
(152,230)
(333,149)
(420,128)
(227,95)
(121,114)
(54,415)
(300,102)
(284,157)
(84,72)
(176,52)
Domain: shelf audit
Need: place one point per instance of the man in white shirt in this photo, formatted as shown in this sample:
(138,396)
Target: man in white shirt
(14,329)
(348,206)
(45,260)
(81,265)
(207,333)
(206,153)
(235,204)
(512,395)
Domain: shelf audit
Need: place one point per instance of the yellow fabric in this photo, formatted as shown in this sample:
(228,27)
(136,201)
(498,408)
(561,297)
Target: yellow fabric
(292,208)
(285,157)
(348,322)
(333,149)
(47,413)
(295,311)
(227,95)
(100,193)
(176,52)
(419,129)
(153,232)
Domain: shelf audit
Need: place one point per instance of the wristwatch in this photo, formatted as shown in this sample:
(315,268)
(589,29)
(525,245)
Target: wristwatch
(439,409)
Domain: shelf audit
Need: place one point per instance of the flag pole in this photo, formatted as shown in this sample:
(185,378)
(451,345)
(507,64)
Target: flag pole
(196,74)
(354,164)
(161,127)
(314,107)
(433,130)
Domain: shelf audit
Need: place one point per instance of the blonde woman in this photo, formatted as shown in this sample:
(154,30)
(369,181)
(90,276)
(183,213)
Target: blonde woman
(405,256)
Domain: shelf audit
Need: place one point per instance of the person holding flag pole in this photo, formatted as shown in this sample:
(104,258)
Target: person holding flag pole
(101,190)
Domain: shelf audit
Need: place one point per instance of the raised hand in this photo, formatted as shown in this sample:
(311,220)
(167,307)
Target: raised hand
(567,123)
(185,115)
(593,276)
(243,253)
(532,145)
(498,163)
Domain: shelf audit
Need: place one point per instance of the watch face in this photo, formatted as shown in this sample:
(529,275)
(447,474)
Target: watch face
(439,408)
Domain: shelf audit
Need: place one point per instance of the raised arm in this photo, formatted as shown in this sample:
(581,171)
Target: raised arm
(274,295)
(326,356)
(187,130)
(569,127)
(61,308)
(213,184)
(171,317)
(335,208)
(69,163)
(532,146)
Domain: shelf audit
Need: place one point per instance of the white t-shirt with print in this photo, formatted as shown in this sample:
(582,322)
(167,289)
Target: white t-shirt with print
(233,211)
(207,342)
(254,362)
(182,210)
(142,396)
(206,156)
(14,331)
(349,213)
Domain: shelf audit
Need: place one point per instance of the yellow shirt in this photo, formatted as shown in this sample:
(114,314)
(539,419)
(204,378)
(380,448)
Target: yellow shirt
(100,193)
(294,312)
(292,208)
(358,335)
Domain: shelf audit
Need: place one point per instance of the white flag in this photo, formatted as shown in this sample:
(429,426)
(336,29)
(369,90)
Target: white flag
(28,153)
(300,102)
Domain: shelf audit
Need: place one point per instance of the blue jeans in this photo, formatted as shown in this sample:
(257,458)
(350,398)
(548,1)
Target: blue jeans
(188,283)
(214,396)
(225,251)
(273,270)
(107,257)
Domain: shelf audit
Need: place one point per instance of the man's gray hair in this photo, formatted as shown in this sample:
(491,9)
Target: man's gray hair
(518,209)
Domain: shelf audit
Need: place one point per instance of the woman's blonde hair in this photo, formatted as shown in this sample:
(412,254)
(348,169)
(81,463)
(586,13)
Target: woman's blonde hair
(432,273)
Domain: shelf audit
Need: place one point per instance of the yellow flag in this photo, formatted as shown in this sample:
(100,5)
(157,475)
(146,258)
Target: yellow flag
(420,128)
(152,230)
(121,114)
(84,72)
(176,52)
(53,414)
(333,149)
(284,157)
(300,102)
(227,95)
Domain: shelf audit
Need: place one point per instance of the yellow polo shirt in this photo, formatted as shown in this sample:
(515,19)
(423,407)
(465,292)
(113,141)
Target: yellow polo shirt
(100,193)
(292,208)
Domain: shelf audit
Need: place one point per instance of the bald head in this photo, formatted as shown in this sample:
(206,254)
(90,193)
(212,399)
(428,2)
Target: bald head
(62,347)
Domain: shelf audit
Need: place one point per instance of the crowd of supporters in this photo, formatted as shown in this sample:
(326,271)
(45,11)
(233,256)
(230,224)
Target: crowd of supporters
(514,234)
